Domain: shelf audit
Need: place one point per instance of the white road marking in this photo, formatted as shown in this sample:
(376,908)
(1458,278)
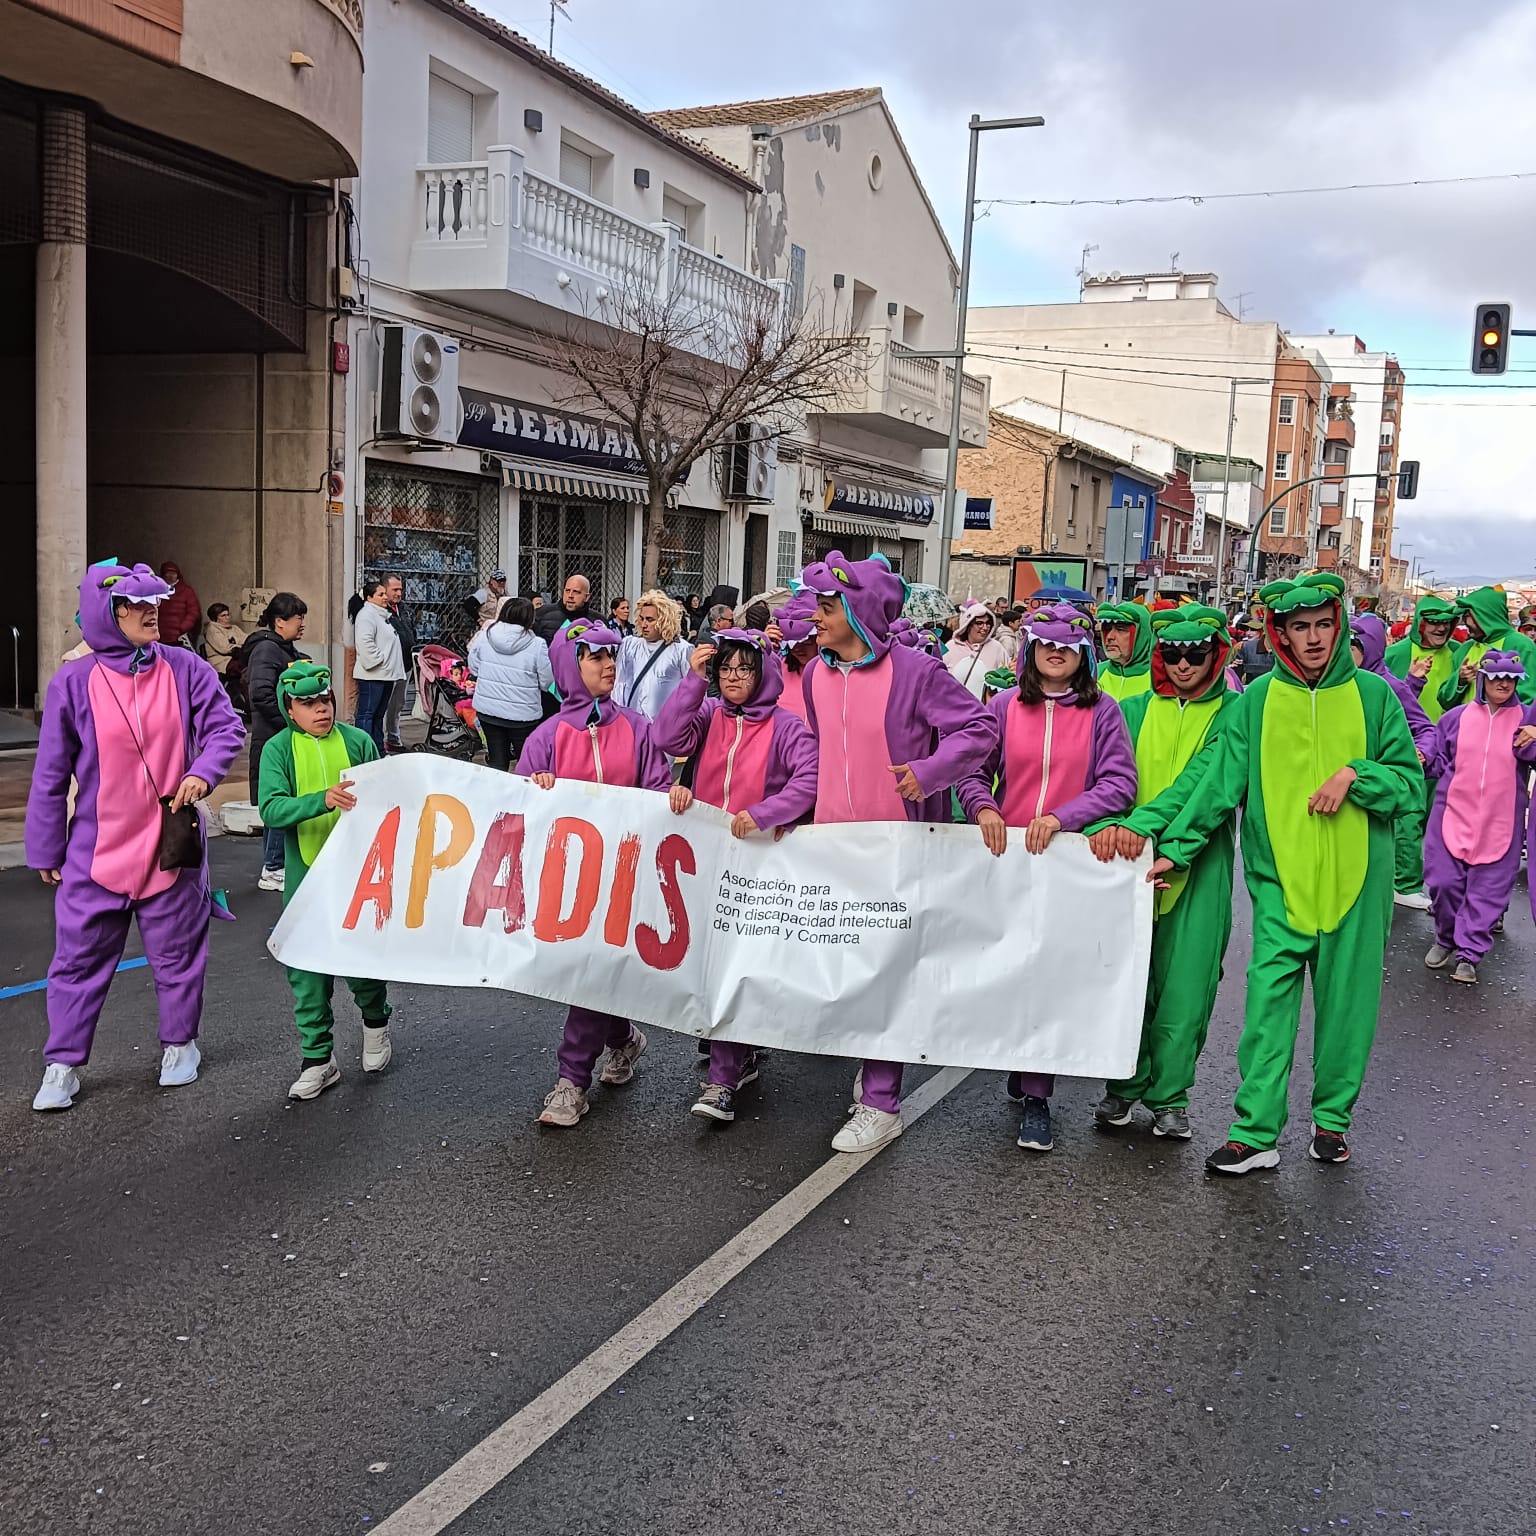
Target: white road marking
(507,1447)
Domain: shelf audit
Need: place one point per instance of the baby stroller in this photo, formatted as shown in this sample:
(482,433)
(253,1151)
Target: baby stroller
(449,733)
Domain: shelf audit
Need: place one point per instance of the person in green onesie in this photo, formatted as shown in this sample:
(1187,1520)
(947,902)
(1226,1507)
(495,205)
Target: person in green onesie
(304,789)
(1424,658)
(1319,758)
(1126,631)
(1486,613)
(1175,728)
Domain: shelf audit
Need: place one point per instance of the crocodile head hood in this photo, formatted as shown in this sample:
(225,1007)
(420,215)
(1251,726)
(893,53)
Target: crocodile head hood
(1370,634)
(796,619)
(872,595)
(301,680)
(770,683)
(1488,607)
(1061,624)
(1319,589)
(576,701)
(1190,625)
(102,586)
(1140,619)
(1430,609)
(1499,664)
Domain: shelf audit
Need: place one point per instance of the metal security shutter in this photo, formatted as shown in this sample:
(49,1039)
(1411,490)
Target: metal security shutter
(560,538)
(690,554)
(450,123)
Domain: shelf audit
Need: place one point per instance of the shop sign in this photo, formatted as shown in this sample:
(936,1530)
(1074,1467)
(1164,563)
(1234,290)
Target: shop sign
(864,499)
(978,513)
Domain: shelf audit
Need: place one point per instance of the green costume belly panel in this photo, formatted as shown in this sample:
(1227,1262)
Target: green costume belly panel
(1307,735)
(1439,675)
(1168,738)
(1120,687)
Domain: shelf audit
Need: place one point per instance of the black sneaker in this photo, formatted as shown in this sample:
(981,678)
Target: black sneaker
(1035,1128)
(1328,1147)
(1112,1112)
(715,1103)
(749,1071)
(1014,1087)
(1239,1157)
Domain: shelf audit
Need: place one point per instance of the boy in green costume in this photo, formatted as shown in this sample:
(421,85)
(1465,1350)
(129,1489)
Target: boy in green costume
(1424,658)
(304,789)
(1486,613)
(1126,631)
(1320,758)
(1175,728)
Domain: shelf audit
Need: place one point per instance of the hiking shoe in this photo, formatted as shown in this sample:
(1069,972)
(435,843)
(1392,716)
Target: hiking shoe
(564,1104)
(1465,971)
(1112,1112)
(1035,1128)
(1415,901)
(316,1077)
(867,1129)
(619,1066)
(271,880)
(60,1085)
(715,1102)
(1014,1087)
(376,1047)
(1239,1157)
(1438,957)
(1328,1147)
(179,1064)
(1171,1122)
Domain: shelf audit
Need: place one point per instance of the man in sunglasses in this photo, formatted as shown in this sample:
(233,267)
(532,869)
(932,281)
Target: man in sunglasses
(1125,630)
(1175,728)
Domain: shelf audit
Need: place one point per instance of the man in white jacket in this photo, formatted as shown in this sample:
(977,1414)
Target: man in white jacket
(379,665)
(654,660)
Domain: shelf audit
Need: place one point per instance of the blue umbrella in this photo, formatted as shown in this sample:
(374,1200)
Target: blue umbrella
(1060,594)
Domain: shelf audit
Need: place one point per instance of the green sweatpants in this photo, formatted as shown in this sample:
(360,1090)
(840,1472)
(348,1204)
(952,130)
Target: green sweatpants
(1188,946)
(1346,994)
(312,1008)
(1408,843)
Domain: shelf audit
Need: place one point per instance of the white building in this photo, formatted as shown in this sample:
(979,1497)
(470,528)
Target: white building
(843,217)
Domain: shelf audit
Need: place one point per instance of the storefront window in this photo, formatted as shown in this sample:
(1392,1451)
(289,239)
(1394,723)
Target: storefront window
(690,554)
(561,538)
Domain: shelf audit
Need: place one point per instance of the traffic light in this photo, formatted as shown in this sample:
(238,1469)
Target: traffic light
(1408,480)
(1490,338)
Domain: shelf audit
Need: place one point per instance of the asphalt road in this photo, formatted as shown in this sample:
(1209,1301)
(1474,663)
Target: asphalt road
(221,1312)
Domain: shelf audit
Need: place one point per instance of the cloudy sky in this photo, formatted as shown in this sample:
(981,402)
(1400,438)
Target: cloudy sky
(1196,96)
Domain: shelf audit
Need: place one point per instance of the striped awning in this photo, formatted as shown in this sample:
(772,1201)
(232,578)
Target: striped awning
(861,527)
(528,477)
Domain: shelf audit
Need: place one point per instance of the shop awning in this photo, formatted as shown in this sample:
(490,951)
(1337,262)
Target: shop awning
(528,477)
(861,527)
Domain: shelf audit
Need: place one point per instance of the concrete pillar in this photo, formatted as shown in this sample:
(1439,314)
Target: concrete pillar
(61,383)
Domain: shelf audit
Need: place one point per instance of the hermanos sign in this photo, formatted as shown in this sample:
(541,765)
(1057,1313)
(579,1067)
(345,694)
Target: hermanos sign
(861,497)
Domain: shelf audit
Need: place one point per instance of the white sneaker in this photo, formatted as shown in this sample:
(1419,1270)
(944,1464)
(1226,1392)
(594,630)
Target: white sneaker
(867,1129)
(271,880)
(315,1079)
(60,1085)
(179,1065)
(1417,901)
(376,1048)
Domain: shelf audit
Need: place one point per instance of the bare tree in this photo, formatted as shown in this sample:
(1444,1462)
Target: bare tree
(679,363)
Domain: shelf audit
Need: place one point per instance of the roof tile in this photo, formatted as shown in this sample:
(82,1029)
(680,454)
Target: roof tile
(774,111)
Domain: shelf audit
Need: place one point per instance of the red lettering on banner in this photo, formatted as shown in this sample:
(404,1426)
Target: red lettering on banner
(487,891)
(673,856)
(548,924)
(376,880)
(428,857)
(621,899)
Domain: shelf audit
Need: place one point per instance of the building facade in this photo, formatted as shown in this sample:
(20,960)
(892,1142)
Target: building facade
(1289,537)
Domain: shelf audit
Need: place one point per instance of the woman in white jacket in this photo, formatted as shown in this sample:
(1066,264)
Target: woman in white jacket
(975,650)
(379,665)
(510,665)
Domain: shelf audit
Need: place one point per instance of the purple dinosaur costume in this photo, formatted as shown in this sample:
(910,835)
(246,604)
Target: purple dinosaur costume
(1471,846)
(894,706)
(100,713)
(1370,633)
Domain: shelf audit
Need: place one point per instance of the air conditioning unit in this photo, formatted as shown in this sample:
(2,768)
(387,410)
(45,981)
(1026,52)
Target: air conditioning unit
(750,463)
(418,384)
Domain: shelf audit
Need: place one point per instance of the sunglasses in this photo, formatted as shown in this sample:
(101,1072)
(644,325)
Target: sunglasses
(1195,655)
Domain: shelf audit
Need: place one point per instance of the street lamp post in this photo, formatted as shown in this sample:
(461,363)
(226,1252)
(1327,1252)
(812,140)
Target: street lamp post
(1226,490)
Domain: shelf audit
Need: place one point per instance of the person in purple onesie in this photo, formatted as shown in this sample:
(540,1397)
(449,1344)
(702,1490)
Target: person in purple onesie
(1472,843)
(594,741)
(1368,636)
(894,734)
(136,724)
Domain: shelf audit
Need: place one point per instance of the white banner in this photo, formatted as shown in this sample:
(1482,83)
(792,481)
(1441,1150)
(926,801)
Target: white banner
(886,940)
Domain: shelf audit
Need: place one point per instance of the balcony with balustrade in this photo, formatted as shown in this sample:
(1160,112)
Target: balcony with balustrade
(910,398)
(498,237)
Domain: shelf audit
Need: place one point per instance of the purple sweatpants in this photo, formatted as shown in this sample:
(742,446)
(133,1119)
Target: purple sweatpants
(587,1035)
(91,929)
(1037,1085)
(882,1086)
(1466,900)
(727,1061)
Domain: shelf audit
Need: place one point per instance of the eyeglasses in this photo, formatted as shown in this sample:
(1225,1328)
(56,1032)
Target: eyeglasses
(737,671)
(1195,655)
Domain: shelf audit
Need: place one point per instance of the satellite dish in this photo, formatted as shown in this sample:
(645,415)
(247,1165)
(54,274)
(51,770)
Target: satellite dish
(1103,277)
(1114,277)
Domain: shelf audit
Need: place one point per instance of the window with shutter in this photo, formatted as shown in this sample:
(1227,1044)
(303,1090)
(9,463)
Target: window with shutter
(450,123)
(576,168)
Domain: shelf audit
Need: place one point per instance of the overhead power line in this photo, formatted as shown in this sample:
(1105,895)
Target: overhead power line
(1226,197)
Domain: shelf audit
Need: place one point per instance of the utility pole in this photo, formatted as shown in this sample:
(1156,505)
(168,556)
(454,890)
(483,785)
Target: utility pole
(1226,491)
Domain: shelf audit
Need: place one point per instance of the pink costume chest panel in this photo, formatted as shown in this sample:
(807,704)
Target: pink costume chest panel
(609,759)
(146,709)
(853,777)
(1046,754)
(733,764)
(793,696)
(1478,822)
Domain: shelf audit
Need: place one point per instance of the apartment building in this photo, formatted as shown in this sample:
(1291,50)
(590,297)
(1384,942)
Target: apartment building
(1297,437)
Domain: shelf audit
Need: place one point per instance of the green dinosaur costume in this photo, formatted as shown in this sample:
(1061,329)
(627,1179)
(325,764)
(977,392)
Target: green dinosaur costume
(296,771)
(1124,680)
(1488,608)
(1175,745)
(1409,833)
(1321,885)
